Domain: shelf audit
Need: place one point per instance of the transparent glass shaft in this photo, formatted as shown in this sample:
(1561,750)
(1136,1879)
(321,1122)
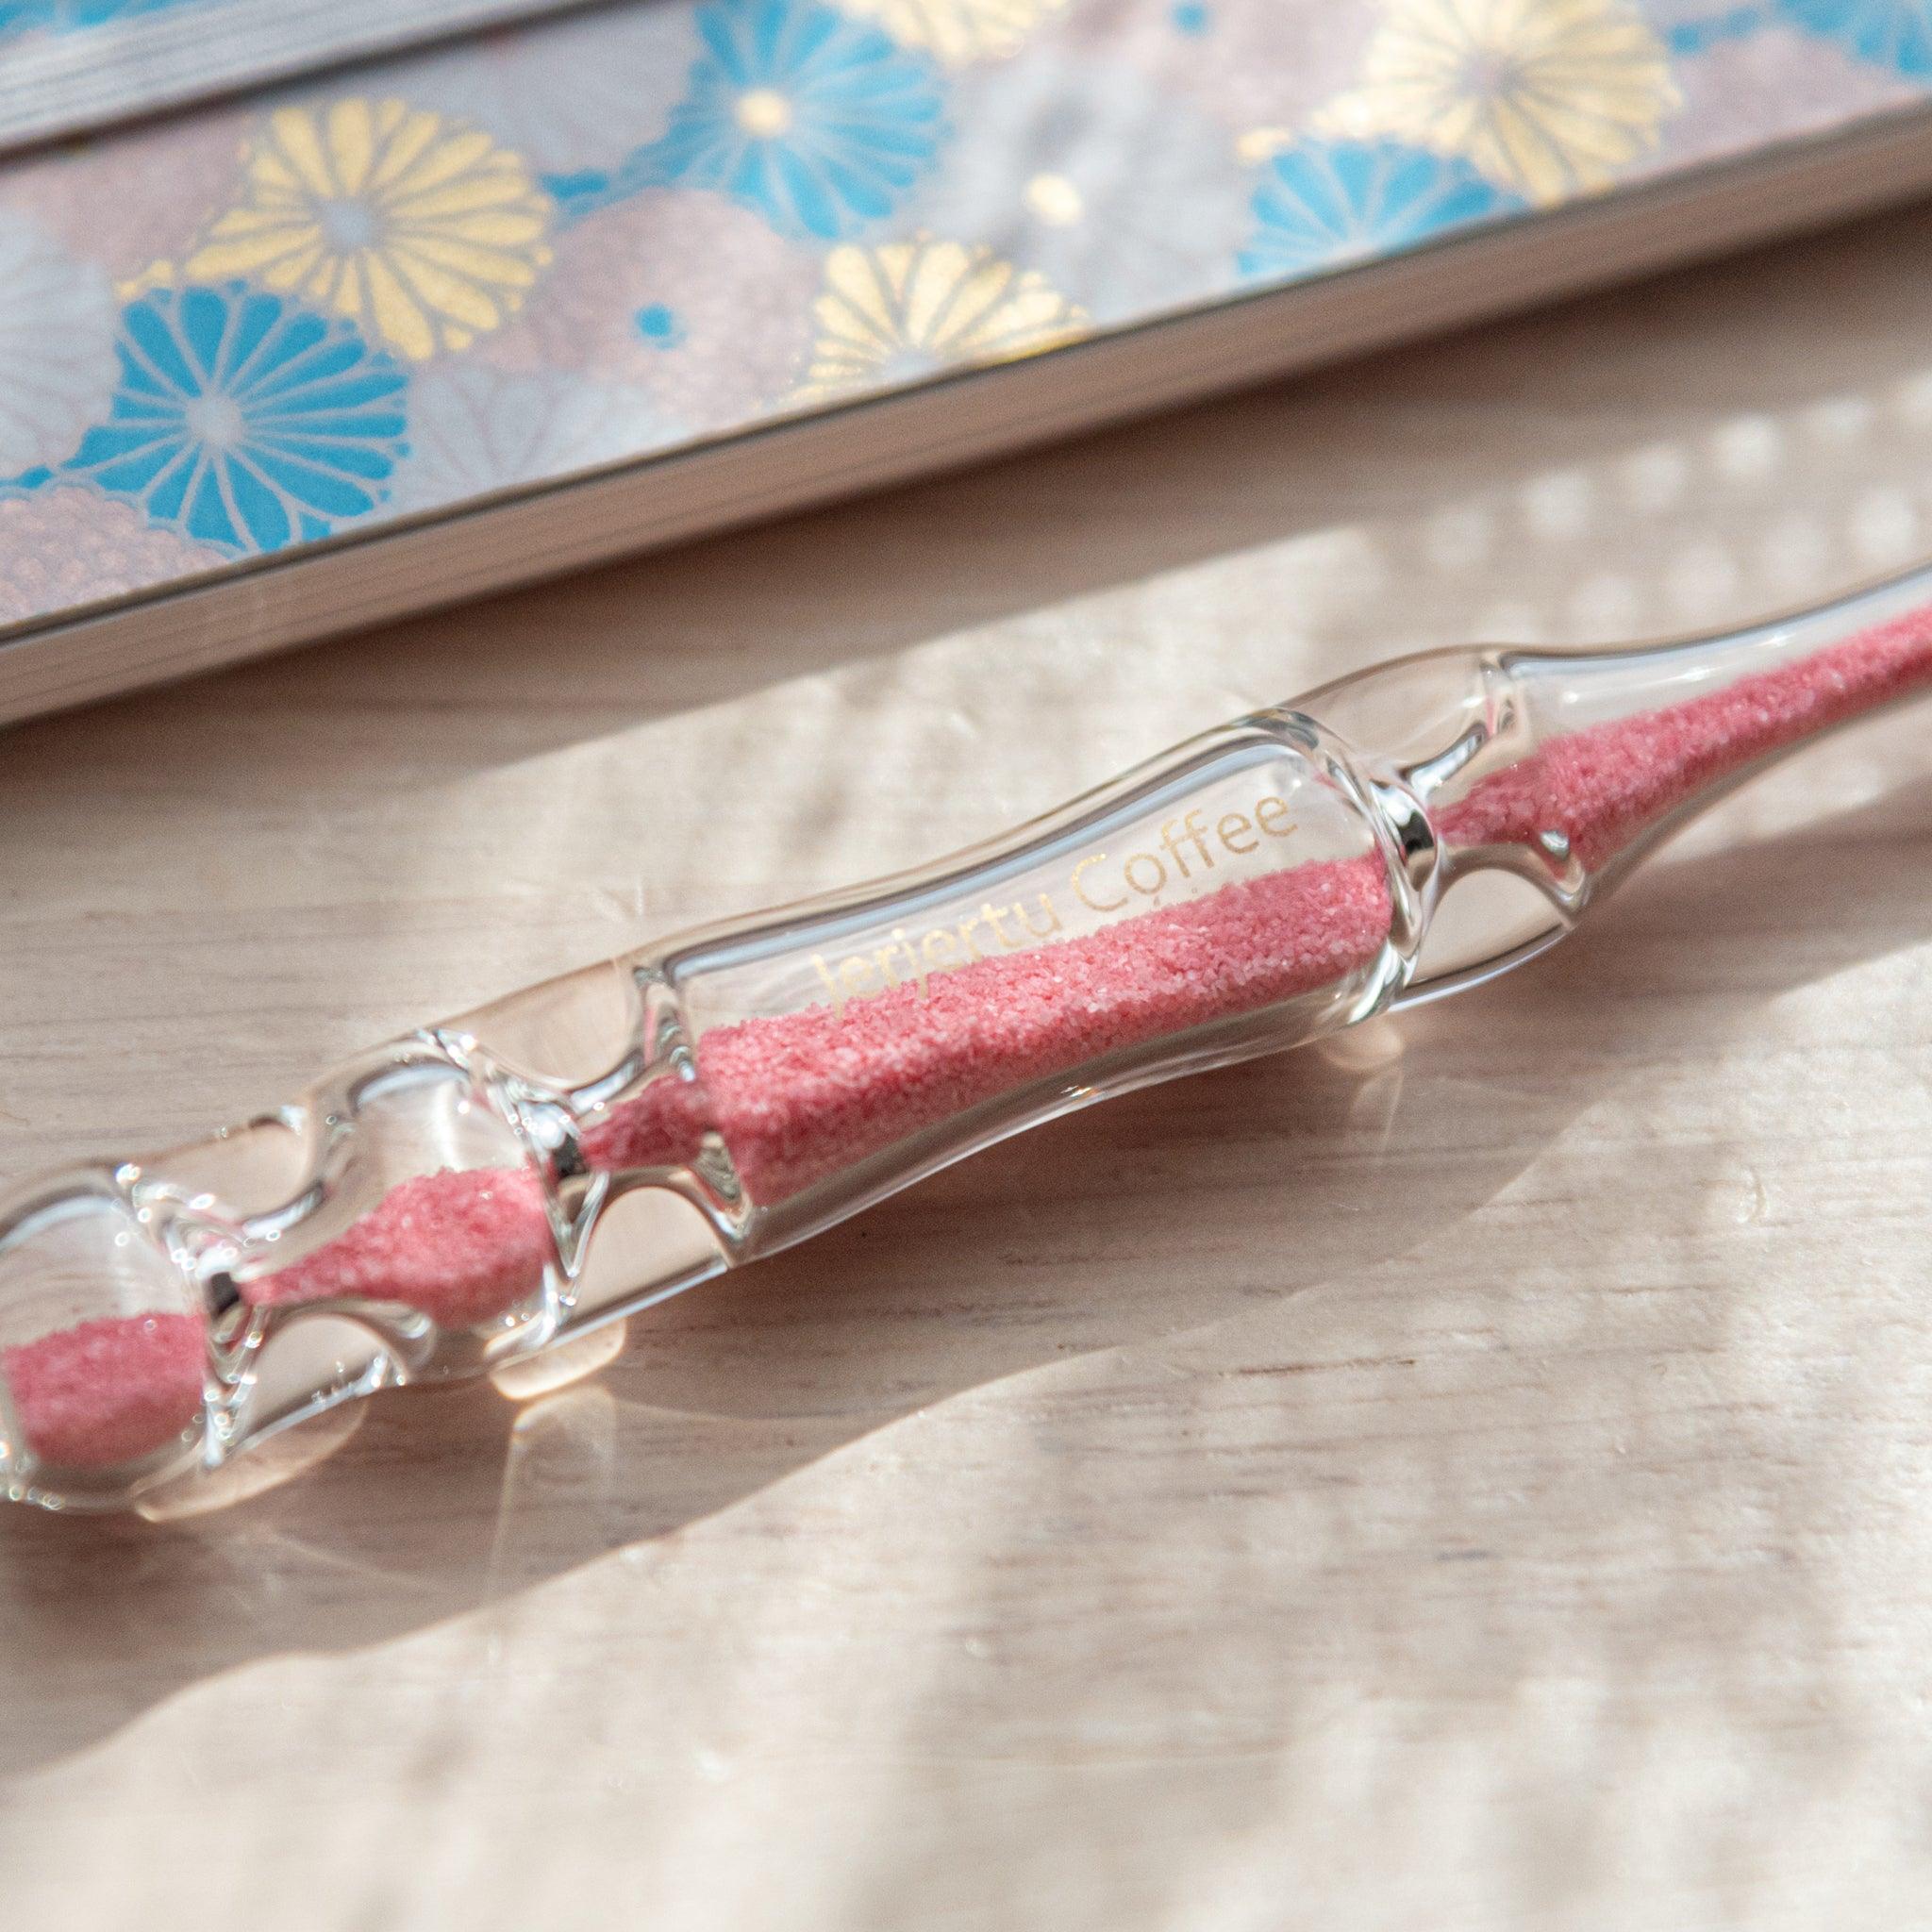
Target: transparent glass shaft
(473,1194)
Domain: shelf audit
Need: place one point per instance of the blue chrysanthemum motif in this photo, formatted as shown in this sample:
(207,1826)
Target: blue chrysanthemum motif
(70,16)
(1689,27)
(242,419)
(1890,33)
(1327,202)
(818,122)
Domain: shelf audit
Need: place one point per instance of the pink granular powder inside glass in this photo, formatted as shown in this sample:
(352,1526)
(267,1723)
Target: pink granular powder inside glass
(1603,786)
(799,1096)
(793,1097)
(460,1245)
(106,1391)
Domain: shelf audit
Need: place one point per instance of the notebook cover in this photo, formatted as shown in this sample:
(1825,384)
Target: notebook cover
(602,236)
(67,66)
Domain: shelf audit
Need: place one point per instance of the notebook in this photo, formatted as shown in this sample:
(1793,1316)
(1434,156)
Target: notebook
(313,316)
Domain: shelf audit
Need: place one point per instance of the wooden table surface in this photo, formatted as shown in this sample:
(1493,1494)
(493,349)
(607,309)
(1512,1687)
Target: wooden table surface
(1474,1476)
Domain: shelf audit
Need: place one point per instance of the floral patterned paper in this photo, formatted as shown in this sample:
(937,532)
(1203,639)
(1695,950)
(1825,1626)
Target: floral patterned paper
(592,238)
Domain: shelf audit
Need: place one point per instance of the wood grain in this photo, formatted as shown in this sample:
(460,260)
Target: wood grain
(1472,1476)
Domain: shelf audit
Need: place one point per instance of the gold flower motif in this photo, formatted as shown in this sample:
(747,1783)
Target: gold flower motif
(1549,98)
(893,314)
(423,229)
(957,31)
